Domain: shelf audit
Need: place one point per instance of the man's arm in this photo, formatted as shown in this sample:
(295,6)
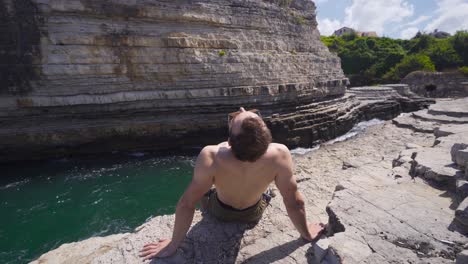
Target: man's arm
(292,198)
(201,182)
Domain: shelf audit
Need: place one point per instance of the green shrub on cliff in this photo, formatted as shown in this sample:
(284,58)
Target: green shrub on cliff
(464,70)
(368,60)
(460,43)
(443,55)
(411,63)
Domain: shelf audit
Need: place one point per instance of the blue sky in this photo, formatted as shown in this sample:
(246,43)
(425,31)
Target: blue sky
(392,18)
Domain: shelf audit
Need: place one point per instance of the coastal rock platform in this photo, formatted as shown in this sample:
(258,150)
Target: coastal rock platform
(373,190)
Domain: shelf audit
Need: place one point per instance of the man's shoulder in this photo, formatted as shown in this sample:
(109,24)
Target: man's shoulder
(210,150)
(278,150)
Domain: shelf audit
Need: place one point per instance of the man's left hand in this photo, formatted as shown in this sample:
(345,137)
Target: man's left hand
(162,249)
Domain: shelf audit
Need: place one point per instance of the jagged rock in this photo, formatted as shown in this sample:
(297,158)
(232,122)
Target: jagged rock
(461,216)
(405,158)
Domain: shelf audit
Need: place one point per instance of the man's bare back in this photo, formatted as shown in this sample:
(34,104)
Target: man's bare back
(241,184)
(240,175)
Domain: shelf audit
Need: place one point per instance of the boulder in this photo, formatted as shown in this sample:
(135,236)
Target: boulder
(460,154)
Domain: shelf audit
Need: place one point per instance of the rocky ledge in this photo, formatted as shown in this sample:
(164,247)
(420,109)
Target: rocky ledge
(394,194)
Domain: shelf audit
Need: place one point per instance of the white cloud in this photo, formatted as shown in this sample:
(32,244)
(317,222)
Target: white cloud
(364,15)
(409,32)
(328,26)
(418,21)
(450,16)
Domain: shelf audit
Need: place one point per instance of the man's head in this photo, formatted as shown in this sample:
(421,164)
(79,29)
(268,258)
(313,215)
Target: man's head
(249,136)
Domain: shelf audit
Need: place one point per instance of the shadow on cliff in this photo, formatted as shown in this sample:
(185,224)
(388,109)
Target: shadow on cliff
(210,241)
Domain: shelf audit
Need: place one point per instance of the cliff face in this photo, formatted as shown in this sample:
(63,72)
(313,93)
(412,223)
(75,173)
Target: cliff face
(88,76)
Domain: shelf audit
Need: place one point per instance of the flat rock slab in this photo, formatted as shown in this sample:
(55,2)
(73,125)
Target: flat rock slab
(434,164)
(456,108)
(406,120)
(445,119)
(449,129)
(389,222)
(460,139)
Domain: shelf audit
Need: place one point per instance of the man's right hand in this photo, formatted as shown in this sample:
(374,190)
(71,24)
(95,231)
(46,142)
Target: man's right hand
(315,230)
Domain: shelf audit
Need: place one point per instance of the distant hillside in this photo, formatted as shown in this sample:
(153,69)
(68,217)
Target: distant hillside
(369,60)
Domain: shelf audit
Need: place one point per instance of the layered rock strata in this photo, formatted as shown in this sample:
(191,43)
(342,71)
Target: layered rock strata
(389,215)
(377,211)
(115,75)
(437,84)
(84,77)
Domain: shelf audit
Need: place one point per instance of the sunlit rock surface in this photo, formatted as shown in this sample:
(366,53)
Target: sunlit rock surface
(379,207)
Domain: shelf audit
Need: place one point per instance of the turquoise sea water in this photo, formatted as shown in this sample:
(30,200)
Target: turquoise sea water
(44,205)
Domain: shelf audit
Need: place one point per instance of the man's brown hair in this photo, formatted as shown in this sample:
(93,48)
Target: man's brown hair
(252,141)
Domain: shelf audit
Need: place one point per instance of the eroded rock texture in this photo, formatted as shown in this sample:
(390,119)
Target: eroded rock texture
(86,77)
(388,215)
(87,74)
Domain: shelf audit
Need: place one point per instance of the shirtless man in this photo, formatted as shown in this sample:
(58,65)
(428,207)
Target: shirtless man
(241,169)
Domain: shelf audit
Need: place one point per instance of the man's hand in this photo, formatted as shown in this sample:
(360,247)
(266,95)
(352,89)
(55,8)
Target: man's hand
(315,230)
(162,249)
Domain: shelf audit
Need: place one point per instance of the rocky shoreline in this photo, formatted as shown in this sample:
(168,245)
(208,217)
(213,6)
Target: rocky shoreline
(384,201)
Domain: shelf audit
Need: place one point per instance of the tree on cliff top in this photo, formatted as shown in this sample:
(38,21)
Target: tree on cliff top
(369,61)
(411,63)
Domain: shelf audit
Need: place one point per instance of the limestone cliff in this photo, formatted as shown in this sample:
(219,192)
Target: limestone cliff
(87,76)
(82,75)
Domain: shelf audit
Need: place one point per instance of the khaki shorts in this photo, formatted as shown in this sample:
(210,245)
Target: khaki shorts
(226,213)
